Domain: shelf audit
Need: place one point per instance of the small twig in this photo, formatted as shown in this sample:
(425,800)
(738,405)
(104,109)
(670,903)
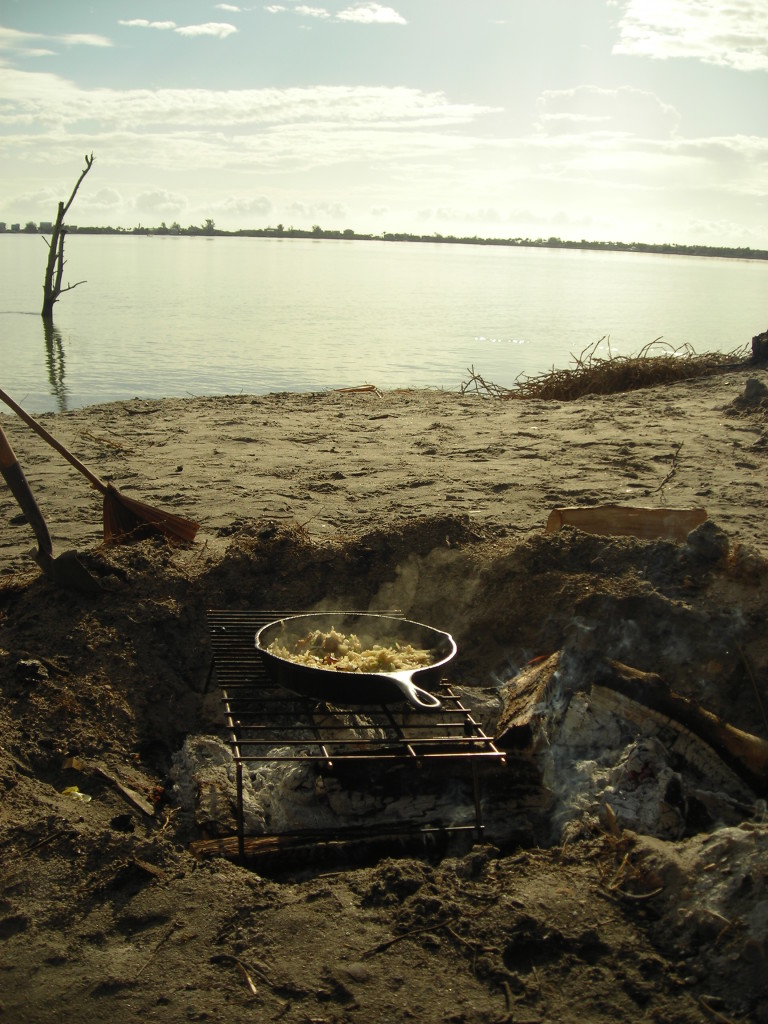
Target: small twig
(104,440)
(358,390)
(227,958)
(246,972)
(45,841)
(672,471)
(170,816)
(70,287)
(542,996)
(246,978)
(509,998)
(618,875)
(382,946)
(713,1013)
(163,938)
(475,946)
(637,895)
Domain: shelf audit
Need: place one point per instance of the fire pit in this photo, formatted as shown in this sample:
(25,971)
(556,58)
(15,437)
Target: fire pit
(268,724)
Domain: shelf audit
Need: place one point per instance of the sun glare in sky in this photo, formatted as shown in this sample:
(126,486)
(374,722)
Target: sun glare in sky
(642,120)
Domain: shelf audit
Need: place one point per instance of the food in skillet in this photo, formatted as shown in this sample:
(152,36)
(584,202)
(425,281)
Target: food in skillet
(345,653)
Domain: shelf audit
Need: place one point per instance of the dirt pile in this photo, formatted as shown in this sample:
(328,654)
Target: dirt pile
(103,910)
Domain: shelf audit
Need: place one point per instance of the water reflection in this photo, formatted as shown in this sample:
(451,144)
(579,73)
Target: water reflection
(54,359)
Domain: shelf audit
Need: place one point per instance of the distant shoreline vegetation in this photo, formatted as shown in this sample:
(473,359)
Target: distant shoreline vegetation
(209,229)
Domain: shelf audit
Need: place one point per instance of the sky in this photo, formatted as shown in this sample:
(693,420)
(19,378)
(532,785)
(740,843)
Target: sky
(613,120)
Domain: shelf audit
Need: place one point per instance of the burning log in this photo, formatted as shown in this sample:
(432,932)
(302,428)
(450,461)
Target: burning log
(528,708)
(616,744)
(522,722)
(744,753)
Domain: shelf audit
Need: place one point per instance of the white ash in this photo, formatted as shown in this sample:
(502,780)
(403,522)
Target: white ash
(604,756)
(282,796)
(204,778)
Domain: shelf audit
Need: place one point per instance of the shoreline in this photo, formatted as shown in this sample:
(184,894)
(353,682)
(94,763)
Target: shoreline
(348,235)
(337,461)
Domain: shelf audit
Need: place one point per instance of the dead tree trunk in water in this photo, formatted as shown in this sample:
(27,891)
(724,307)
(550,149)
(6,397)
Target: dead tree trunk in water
(52,286)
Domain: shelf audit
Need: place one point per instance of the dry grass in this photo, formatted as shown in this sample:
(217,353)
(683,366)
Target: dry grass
(595,375)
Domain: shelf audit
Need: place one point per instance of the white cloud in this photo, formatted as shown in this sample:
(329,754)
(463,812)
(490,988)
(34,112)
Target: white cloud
(43,198)
(362,13)
(726,166)
(371,14)
(20,43)
(733,34)
(210,28)
(594,110)
(306,212)
(26,51)
(243,156)
(228,7)
(83,39)
(143,23)
(11,38)
(159,201)
(104,199)
(311,12)
(57,100)
(238,207)
(41,204)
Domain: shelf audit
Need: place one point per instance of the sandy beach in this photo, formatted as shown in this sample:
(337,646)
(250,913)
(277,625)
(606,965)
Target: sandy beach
(338,462)
(619,873)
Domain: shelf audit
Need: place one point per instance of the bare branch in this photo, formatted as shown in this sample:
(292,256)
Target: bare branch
(69,287)
(88,164)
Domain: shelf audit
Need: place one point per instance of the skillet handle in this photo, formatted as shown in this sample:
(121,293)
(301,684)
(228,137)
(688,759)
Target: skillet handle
(414,694)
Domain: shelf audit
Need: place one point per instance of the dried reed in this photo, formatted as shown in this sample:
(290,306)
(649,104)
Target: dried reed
(596,375)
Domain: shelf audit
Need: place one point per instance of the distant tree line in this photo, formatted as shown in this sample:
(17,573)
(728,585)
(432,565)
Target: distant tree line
(209,229)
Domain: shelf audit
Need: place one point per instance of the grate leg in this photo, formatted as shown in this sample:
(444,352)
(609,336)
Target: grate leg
(240,815)
(478,807)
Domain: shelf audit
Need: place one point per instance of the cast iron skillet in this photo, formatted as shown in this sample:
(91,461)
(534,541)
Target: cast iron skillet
(357,687)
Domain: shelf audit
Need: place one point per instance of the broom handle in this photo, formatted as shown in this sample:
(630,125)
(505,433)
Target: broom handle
(39,429)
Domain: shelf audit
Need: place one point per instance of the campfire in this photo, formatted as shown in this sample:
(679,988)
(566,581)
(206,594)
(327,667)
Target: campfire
(569,743)
(303,769)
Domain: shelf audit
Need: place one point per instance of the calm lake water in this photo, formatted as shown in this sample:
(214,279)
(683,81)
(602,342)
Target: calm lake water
(164,316)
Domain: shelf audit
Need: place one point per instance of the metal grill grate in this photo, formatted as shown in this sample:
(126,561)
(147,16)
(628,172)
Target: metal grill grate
(267,723)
